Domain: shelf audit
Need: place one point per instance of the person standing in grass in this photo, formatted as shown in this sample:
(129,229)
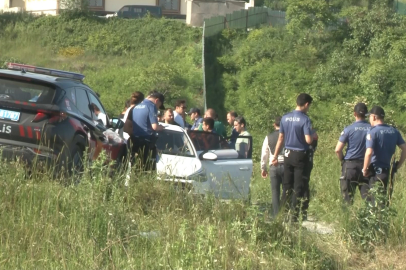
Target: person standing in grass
(145,125)
(231,115)
(195,117)
(354,136)
(242,145)
(219,128)
(296,131)
(275,172)
(381,143)
(168,117)
(136,98)
(179,113)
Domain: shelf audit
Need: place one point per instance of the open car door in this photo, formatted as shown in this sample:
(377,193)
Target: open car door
(229,174)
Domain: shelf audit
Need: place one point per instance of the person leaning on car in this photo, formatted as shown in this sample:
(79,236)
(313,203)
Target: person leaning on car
(145,125)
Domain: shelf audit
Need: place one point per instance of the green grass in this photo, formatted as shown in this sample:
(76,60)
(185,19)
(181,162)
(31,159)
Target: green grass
(98,224)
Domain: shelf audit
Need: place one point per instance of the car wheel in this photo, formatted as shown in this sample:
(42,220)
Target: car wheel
(71,164)
(76,166)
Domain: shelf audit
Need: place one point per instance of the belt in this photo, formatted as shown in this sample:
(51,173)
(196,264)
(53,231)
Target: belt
(299,151)
(353,160)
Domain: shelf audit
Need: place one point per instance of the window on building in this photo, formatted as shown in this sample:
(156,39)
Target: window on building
(95,3)
(169,5)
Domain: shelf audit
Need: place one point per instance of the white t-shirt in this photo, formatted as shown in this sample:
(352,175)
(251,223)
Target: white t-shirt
(102,117)
(242,145)
(125,134)
(178,119)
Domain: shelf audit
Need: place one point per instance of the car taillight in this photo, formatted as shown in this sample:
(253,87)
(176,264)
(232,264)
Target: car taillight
(54,117)
(39,117)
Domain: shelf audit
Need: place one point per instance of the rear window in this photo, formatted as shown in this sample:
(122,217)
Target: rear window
(25,92)
(204,141)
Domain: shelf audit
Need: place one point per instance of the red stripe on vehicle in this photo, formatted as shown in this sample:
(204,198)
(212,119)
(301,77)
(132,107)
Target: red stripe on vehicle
(17,102)
(22,133)
(38,134)
(29,132)
(33,104)
(25,103)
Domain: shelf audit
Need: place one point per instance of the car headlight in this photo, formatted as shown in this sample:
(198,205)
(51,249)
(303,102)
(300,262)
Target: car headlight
(199,176)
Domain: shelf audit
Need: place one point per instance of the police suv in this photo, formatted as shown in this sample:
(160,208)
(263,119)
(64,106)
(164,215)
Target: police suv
(47,115)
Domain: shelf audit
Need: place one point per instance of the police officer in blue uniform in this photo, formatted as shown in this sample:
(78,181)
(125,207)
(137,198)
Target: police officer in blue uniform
(296,131)
(145,126)
(381,144)
(354,136)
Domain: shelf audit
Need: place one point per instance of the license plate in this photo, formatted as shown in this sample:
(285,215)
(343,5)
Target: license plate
(9,115)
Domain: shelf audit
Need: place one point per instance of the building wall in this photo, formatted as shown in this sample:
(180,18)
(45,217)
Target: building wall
(3,4)
(42,6)
(183,6)
(115,5)
(197,11)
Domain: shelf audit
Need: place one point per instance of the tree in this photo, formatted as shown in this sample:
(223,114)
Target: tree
(308,14)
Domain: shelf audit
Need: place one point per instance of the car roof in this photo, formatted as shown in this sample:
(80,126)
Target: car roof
(172,127)
(41,77)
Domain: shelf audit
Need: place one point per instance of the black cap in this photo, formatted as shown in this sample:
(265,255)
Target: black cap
(361,108)
(193,110)
(377,110)
(156,94)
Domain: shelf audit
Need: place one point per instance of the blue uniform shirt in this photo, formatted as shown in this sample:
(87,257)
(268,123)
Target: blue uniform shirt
(295,125)
(144,115)
(355,137)
(196,124)
(383,140)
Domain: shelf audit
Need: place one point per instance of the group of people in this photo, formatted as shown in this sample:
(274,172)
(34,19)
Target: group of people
(142,117)
(289,150)
(369,156)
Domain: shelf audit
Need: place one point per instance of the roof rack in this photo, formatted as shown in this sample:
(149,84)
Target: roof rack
(45,71)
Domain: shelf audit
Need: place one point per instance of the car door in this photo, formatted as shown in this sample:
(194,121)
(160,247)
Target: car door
(112,149)
(230,175)
(176,159)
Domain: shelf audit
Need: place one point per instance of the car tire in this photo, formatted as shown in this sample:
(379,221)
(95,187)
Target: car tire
(72,163)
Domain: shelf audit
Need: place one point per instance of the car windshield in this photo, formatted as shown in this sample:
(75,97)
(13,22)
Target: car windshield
(25,92)
(174,143)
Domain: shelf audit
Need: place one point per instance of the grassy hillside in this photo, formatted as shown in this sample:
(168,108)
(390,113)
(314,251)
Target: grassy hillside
(100,224)
(117,56)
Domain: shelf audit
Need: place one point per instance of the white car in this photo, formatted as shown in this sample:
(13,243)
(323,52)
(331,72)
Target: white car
(202,162)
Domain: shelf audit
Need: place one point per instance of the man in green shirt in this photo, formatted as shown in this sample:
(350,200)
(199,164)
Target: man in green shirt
(219,128)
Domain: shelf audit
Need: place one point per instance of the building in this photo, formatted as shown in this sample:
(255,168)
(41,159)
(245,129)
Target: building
(171,8)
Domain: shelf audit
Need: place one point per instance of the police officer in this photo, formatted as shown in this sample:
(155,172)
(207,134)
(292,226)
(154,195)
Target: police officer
(381,145)
(145,126)
(296,131)
(352,163)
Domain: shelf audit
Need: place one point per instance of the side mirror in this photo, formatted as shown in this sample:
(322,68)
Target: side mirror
(117,123)
(208,156)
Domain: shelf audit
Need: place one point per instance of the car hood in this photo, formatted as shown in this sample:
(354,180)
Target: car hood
(177,166)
